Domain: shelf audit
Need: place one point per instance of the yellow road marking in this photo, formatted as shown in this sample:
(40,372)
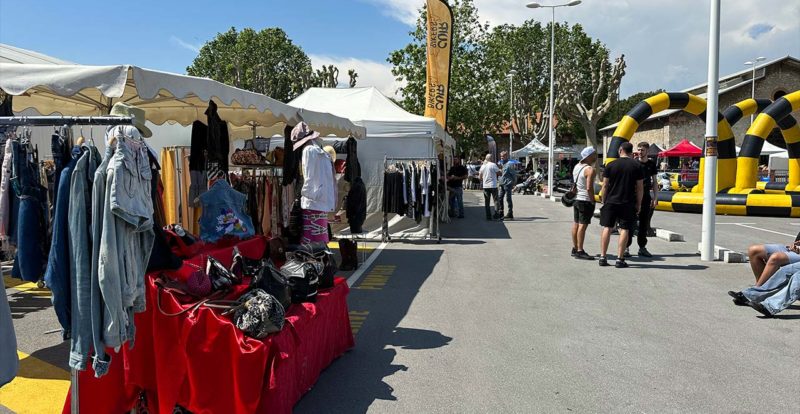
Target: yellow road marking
(38,388)
(377,278)
(361,248)
(22,286)
(357,319)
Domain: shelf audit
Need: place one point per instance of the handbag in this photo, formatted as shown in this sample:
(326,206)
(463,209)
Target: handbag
(258,314)
(269,279)
(198,283)
(303,278)
(221,278)
(294,229)
(248,155)
(318,252)
(244,266)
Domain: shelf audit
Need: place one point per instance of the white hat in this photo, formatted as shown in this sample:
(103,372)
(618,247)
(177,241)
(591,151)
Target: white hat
(137,114)
(587,152)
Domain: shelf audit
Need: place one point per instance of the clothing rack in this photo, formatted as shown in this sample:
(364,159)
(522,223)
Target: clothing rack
(66,121)
(434,218)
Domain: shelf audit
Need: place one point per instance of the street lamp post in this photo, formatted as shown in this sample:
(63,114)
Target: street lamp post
(551,139)
(511,74)
(753,63)
(707,235)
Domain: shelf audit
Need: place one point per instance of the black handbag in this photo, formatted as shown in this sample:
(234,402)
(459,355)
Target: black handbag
(303,278)
(294,229)
(221,278)
(258,314)
(244,266)
(318,252)
(269,279)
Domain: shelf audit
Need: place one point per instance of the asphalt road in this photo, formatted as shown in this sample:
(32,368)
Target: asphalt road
(499,318)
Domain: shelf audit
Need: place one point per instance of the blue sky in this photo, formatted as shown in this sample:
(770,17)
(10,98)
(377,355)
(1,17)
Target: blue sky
(664,41)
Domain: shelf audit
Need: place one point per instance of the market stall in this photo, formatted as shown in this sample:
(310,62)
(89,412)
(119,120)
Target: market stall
(392,133)
(129,232)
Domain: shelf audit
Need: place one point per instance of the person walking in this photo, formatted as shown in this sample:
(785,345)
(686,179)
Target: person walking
(621,196)
(583,174)
(649,200)
(488,175)
(508,179)
(455,184)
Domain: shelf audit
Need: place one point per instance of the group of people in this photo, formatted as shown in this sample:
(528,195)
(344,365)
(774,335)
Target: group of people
(629,197)
(497,181)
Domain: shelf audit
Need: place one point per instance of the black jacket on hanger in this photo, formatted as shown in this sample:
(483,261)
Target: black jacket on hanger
(218,141)
(291,159)
(352,168)
(356,206)
(197,157)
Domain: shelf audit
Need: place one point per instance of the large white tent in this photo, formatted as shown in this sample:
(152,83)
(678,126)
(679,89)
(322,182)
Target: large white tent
(391,131)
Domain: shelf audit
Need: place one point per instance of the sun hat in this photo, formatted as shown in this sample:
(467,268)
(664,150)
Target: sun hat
(587,152)
(331,151)
(123,109)
(302,134)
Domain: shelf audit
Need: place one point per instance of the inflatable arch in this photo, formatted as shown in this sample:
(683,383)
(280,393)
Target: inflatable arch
(776,114)
(689,103)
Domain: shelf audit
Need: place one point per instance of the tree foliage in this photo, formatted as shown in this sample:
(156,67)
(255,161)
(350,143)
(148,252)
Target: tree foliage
(265,61)
(474,106)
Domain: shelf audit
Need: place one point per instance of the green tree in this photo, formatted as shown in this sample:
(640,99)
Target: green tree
(474,102)
(265,61)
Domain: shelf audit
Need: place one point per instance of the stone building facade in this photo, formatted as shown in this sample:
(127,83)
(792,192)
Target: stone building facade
(773,79)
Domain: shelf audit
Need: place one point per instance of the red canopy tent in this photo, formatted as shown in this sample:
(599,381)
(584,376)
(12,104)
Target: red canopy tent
(683,149)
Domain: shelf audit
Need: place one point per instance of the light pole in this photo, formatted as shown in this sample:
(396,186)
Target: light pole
(551,139)
(707,235)
(753,63)
(511,74)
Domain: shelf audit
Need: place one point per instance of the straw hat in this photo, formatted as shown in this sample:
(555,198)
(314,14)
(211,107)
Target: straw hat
(123,109)
(332,152)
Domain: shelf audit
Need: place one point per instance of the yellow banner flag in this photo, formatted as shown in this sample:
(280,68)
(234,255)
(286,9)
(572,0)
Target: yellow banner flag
(440,45)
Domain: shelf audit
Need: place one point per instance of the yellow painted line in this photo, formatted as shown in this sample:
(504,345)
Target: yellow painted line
(22,286)
(361,247)
(38,388)
(377,278)
(357,319)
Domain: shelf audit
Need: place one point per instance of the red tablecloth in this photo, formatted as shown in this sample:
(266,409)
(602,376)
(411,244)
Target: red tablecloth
(204,363)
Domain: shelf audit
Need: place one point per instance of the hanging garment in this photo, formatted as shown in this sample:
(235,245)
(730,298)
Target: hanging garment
(5,191)
(315,227)
(186,204)
(161,256)
(9,361)
(291,159)
(27,218)
(79,216)
(169,177)
(101,360)
(318,191)
(127,235)
(266,208)
(61,157)
(199,143)
(426,192)
(223,214)
(218,144)
(356,206)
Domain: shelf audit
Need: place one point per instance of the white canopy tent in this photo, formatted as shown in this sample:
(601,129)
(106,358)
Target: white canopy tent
(391,132)
(767,149)
(779,161)
(80,90)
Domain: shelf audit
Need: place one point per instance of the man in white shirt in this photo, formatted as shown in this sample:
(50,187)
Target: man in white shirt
(488,175)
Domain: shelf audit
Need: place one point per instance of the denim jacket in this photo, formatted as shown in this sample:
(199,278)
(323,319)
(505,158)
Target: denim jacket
(127,236)
(223,213)
(80,255)
(101,359)
(58,277)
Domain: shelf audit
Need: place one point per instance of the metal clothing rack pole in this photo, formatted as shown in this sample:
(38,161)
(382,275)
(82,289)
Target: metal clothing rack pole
(66,121)
(434,218)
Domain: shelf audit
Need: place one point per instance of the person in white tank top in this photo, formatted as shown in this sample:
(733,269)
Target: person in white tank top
(583,176)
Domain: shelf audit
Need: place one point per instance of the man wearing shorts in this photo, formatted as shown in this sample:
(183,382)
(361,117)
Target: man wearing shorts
(583,175)
(621,196)
(766,259)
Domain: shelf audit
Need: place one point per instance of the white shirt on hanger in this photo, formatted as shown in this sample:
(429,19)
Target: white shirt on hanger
(317,192)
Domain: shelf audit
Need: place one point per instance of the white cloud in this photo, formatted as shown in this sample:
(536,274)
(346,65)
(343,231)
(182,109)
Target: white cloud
(370,72)
(658,36)
(186,45)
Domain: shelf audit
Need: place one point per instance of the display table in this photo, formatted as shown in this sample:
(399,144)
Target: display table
(202,362)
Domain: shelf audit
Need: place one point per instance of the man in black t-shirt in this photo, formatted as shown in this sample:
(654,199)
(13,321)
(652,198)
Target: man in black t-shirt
(455,185)
(621,196)
(649,200)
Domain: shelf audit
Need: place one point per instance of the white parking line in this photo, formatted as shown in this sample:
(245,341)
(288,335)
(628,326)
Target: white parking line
(768,231)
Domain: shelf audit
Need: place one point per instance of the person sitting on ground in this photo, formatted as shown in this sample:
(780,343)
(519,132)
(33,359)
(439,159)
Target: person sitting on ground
(766,259)
(775,295)
(583,208)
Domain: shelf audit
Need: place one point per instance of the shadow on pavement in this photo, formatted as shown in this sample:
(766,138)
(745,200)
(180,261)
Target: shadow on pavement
(23,303)
(650,265)
(356,380)
(57,355)
(474,226)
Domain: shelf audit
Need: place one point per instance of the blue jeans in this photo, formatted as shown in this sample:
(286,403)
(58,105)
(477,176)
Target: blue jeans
(457,200)
(504,191)
(28,222)
(779,292)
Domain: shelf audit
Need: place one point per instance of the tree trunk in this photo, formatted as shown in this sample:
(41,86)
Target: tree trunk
(591,133)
